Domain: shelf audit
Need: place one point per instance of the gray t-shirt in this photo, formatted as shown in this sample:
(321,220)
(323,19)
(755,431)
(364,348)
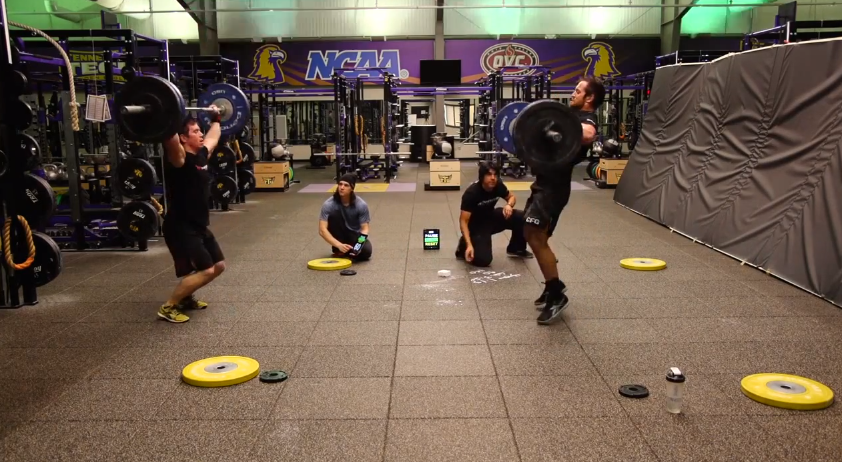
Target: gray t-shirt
(355,214)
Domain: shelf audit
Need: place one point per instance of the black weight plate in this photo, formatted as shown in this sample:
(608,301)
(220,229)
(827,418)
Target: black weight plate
(30,152)
(634,391)
(247,181)
(245,134)
(591,167)
(128,73)
(17,82)
(47,264)
(248,155)
(223,160)
(137,178)
(21,114)
(535,148)
(224,189)
(4,164)
(37,200)
(347,272)
(138,220)
(165,114)
(273,376)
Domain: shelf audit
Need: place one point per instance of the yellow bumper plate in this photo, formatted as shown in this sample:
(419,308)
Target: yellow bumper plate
(220,371)
(787,391)
(328,264)
(643,264)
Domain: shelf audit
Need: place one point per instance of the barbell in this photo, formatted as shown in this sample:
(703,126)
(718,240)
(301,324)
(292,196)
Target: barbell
(545,134)
(151,109)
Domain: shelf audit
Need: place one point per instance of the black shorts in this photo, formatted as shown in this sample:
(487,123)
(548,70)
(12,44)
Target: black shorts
(192,248)
(548,199)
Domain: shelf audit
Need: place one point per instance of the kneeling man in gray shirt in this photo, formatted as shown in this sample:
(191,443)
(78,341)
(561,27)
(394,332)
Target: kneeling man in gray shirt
(344,221)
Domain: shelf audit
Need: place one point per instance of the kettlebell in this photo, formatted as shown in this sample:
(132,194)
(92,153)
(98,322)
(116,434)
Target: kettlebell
(51,172)
(61,172)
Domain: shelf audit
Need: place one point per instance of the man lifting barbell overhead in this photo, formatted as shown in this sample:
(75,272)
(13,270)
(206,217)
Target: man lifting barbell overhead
(479,219)
(550,194)
(197,256)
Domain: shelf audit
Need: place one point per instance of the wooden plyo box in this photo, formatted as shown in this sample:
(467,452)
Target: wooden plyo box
(271,175)
(445,175)
(611,170)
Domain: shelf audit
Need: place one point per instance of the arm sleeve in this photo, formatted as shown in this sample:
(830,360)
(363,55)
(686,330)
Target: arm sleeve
(502,190)
(325,213)
(365,216)
(468,201)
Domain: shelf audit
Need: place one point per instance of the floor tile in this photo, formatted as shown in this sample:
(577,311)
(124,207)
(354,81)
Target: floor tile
(333,398)
(346,361)
(443,360)
(594,439)
(450,440)
(323,440)
(572,396)
(446,397)
(441,333)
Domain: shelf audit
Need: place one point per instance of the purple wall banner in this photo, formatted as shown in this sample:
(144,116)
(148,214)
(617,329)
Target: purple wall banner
(312,63)
(567,58)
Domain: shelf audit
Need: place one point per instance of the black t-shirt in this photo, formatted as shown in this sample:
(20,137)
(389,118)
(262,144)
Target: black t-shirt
(188,190)
(480,203)
(587,118)
(560,180)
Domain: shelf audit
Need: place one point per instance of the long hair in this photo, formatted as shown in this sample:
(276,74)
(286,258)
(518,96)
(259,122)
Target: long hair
(485,168)
(338,199)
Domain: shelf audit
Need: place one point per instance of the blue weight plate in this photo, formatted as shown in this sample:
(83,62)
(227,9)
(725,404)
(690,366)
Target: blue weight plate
(237,113)
(503,125)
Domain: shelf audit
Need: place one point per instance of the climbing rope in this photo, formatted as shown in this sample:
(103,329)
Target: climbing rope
(74,113)
(7,244)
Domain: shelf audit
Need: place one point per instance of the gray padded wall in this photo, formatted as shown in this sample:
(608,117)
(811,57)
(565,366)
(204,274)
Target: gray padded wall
(743,154)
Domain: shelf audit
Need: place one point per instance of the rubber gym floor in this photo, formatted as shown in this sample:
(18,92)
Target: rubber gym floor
(397,364)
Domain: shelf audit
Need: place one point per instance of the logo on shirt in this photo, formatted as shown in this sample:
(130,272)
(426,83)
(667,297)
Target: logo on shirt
(487,202)
(202,167)
(508,54)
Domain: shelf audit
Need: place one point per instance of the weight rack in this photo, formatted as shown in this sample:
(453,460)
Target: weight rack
(11,284)
(116,46)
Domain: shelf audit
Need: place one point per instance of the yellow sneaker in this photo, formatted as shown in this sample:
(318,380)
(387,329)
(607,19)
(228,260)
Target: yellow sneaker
(191,303)
(171,314)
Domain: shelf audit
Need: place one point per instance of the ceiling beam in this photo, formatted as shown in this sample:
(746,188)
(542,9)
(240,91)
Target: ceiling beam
(187,7)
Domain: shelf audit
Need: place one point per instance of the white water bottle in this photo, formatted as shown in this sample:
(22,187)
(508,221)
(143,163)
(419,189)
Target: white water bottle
(675,390)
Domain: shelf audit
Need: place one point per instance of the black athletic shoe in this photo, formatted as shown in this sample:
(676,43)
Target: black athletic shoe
(460,255)
(542,300)
(551,312)
(521,254)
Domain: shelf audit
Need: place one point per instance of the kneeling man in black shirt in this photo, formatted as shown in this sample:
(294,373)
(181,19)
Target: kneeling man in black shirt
(479,219)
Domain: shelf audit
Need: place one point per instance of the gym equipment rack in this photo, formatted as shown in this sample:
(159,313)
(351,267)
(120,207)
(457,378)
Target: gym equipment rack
(116,46)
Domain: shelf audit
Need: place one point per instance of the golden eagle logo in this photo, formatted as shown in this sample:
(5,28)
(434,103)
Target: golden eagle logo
(267,64)
(600,58)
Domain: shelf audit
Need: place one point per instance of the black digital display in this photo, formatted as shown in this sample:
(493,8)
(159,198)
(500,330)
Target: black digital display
(431,239)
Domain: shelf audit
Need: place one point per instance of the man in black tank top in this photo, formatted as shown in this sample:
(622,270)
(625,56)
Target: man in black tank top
(550,194)
(195,252)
